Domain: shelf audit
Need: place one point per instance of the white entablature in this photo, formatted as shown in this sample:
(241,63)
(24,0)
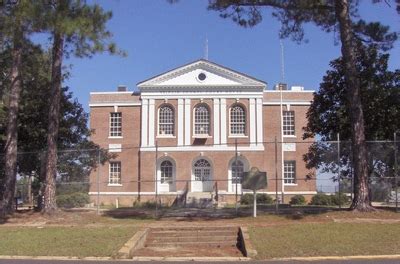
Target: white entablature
(204,76)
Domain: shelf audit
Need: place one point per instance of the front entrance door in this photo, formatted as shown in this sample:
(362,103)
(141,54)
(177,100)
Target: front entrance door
(166,177)
(202,176)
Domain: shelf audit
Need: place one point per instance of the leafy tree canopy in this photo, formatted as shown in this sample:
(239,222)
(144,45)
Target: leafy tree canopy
(33,121)
(380,93)
(293,14)
(328,116)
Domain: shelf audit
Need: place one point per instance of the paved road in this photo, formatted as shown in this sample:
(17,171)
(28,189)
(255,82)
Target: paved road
(6,261)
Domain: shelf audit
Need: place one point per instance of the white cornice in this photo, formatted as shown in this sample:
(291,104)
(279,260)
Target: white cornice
(199,95)
(113,104)
(288,91)
(205,148)
(287,102)
(115,92)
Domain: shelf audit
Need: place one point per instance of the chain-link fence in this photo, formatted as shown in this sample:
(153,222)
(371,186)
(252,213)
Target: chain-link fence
(162,181)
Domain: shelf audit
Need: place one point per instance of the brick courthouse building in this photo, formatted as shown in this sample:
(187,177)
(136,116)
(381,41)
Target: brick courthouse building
(182,127)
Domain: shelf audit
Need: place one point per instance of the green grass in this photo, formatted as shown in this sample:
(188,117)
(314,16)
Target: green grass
(63,241)
(326,239)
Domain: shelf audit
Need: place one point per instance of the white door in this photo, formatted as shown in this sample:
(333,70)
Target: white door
(166,177)
(236,176)
(202,176)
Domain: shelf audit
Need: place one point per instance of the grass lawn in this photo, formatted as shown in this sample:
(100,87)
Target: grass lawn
(325,239)
(63,241)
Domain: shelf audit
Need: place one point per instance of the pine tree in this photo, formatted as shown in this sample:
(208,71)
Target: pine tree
(329,15)
(18,19)
(83,28)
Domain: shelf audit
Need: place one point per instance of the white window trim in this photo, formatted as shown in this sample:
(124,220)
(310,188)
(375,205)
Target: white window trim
(115,137)
(295,174)
(245,122)
(173,123)
(110,122)
(208,135)
(166,136)
(114,185)
(109,173)
(294,124)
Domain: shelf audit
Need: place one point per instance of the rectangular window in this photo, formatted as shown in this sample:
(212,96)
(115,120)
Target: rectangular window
(289,172)
(288,123)
(116,124)
(115,173)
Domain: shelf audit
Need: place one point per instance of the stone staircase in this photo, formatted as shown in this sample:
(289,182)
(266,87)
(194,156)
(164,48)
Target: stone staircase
(191,241)
(199,200)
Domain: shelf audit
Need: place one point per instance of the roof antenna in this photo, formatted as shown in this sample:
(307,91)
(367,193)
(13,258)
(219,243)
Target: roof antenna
(206,49)
(282,62)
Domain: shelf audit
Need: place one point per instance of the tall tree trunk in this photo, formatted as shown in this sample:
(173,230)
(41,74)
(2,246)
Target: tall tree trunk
(30,200)
(361,201)
(11,147)
(49,203)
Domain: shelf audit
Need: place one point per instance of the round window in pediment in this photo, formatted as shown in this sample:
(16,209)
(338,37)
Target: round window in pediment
(202,76)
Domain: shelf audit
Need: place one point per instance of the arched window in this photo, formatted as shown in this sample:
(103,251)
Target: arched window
(202,170)
(237,171)
(166,169)
(201,120)
(166,120)
(238,120)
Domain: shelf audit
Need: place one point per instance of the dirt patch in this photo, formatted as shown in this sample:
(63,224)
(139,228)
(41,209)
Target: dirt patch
(367,220)
(88,218)
(189,252)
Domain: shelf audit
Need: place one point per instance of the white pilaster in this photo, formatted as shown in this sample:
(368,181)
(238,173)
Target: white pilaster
(180,117)
(216,121)
(188,113)
(259,112)
(252,111)
(223,122)
(145,111)
(151,122)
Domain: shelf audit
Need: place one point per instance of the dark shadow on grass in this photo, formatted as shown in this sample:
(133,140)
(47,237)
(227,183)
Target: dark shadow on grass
(209,214)
(129,213)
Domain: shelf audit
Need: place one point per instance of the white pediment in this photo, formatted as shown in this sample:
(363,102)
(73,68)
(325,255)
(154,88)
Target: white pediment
(192,78)
(201,73)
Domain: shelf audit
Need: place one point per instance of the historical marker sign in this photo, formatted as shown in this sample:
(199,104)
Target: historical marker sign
(254,179)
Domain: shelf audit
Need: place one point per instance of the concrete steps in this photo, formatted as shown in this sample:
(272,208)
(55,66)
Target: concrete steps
(199,200)
(191,241)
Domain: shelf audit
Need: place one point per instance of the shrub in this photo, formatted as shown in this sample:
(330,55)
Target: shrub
(297,200)
(146,205)
(76,199)
(343,199)
(262,198)
(321,199)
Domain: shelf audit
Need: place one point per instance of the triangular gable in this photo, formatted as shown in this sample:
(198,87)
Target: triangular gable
(201,73)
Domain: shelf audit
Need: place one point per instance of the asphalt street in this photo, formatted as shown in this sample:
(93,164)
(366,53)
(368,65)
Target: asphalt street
(9,261)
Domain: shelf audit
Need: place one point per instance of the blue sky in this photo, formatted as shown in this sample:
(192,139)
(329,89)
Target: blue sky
(159,36)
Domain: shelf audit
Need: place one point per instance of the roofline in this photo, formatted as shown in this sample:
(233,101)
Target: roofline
(114,92)
(202,60)
(288,91)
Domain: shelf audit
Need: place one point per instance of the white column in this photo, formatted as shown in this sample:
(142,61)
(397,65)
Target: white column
(223,122)
(252,111)
(259,112)
(216,121)
(188,113)
(180,117)
(151,122)
(145,111)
